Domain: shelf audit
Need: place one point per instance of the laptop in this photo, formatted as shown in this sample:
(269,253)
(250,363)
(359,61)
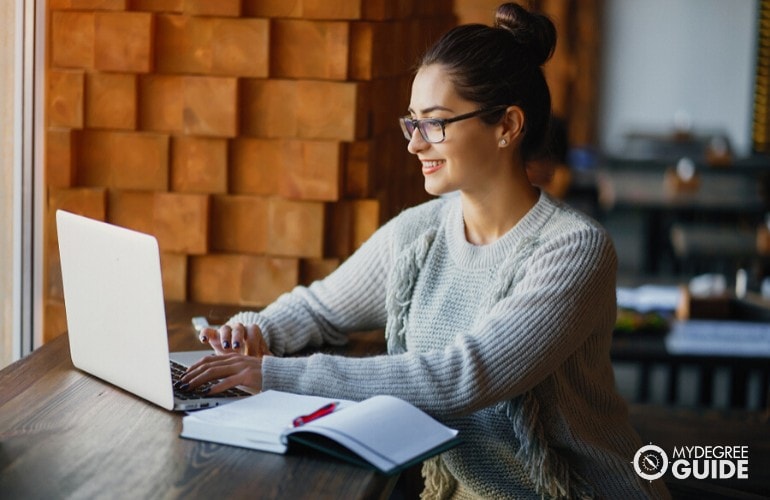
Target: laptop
(116,317)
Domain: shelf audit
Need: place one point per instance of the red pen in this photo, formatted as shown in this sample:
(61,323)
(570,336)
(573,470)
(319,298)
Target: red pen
(321,412)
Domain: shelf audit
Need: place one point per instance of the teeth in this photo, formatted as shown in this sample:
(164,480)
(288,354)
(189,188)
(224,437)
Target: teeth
(431,164)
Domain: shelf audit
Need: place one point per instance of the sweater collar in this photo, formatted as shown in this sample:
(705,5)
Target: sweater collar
(468,255)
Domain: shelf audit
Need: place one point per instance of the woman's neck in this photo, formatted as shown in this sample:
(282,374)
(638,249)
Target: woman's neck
(491,214)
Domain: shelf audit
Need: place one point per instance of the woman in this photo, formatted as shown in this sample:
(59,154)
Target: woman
(498,302)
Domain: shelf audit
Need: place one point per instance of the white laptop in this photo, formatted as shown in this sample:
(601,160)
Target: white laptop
(116,318)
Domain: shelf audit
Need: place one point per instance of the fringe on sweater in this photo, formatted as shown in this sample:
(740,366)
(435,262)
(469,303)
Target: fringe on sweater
(549,473)
(400,287)
(440,484)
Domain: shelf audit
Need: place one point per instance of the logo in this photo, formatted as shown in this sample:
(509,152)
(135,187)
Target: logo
(699,462)
(650,462)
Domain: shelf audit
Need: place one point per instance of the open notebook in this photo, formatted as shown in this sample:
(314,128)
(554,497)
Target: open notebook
(382,432)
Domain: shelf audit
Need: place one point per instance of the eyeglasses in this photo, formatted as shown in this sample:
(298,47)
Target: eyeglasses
(432,129)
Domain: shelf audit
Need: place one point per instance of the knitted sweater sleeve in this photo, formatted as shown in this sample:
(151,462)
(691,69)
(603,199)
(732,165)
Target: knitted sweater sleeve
(562,294)
(352,298)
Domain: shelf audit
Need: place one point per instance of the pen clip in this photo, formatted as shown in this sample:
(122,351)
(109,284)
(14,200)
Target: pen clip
(321,412)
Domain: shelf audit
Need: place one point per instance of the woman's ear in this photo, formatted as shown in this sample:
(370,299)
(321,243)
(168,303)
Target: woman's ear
(512,126)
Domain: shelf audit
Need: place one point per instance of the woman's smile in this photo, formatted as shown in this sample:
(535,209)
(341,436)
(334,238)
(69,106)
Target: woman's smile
(431,166)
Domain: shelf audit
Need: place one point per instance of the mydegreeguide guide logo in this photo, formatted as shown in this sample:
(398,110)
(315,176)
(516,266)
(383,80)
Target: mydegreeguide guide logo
(652,462)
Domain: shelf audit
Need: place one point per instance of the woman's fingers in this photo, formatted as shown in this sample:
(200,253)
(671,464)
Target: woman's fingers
(203,364)
(226,339)
(215,338)
(226,371)
(236,338)
(237,341)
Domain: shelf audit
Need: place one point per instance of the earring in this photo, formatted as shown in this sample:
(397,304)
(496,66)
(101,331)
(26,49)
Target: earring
(503,142)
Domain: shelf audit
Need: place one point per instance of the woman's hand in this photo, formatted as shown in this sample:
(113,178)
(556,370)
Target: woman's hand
(229,370)
(236,339)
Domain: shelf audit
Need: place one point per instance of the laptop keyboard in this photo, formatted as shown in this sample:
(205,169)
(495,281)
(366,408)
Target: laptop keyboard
(177,371)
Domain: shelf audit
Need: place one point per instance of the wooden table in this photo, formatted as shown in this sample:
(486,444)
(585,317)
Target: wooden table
(65,434)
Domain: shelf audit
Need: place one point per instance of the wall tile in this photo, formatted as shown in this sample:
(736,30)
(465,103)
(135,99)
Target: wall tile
(311,170)
(239,224)
(311,270)
(212,46)
(358,177)
(132,209)
(210,105)
(198,165)
(72,39)
(295,228)
(240,279)
(88,4)
(309,49)
(339,110)
(123,41)
(182,222)
(157,5)
(269,108)
(213,8)
(161,103)
(65,98)
(111,101)
(60,157)
(123,160)
(173,268)
(255,166)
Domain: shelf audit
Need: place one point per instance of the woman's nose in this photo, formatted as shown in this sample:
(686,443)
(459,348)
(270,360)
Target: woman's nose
(417,143)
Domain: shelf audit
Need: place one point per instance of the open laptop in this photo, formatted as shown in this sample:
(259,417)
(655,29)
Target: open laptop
(116,318)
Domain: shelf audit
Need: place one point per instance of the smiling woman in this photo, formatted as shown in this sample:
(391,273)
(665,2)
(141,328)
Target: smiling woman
(498,302)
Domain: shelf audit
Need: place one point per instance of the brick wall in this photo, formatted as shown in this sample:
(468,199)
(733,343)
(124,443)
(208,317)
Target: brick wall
(256,139)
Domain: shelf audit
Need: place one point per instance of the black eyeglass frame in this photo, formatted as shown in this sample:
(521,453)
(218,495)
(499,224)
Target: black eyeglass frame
(407,121)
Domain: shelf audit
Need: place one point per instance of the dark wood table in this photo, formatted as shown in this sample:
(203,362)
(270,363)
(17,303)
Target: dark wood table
(66,434)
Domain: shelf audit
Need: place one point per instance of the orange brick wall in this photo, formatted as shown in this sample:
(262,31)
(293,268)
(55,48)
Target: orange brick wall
(256,139)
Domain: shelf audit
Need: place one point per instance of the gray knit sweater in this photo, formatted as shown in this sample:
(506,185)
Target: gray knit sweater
(507,342)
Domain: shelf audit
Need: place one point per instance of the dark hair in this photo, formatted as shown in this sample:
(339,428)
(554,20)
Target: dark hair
(556,141)
(502,65)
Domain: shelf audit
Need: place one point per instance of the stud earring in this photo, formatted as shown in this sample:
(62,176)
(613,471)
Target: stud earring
(503,142)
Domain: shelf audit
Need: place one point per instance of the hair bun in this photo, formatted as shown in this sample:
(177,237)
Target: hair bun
(534,31)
